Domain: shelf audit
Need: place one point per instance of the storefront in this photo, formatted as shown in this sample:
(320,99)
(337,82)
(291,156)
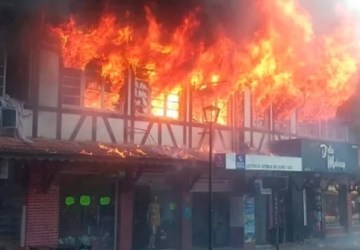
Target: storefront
(266,197)
(329,168)
(156,217)
(87,210)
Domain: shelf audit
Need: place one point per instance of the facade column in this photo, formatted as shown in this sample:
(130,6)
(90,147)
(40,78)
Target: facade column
(185,218)
(125,215)
(349,212)
(42,210)
(237,214)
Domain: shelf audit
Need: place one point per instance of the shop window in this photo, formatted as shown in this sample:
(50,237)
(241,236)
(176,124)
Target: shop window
(221,220)
(355,206)
(331,206)
(335,203)
(155,206)
(87,211)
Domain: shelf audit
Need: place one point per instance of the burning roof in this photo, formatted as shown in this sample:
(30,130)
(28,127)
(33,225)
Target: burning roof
(288,60)
(48,149)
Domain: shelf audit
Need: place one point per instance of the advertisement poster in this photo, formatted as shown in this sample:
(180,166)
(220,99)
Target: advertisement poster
(249,219)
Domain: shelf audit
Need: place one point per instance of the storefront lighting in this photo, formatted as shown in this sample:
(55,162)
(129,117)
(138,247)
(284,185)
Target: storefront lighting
(105,201)
(69,201)
(211,113)
(85,200)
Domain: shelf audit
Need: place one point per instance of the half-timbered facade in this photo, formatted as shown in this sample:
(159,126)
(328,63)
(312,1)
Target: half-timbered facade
(72,145)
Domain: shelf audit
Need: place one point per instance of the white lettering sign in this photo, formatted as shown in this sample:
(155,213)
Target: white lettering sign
(272,163)
(328,153)
(261,162)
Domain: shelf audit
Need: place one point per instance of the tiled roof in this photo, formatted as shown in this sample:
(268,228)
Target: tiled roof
(49,149)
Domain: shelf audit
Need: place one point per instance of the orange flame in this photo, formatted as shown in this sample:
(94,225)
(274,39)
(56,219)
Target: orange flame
(122,153)
(285,63)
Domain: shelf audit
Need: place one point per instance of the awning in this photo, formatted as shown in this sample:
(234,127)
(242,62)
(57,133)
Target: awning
(60,150)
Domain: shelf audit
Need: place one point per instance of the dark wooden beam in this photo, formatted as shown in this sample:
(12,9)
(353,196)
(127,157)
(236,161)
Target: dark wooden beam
(172,136)
(147,133)
(202,138)
(93,128)
(159,134)
(109,130)
(222,138)
(59,102)
(261,143)
(34,68)
(77,128)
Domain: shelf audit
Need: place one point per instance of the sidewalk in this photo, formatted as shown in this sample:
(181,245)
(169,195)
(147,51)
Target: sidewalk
(348,242)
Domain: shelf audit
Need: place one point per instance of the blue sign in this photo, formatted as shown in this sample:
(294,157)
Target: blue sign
(240,161)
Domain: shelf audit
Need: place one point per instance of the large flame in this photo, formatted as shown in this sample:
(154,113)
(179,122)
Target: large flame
(285,63)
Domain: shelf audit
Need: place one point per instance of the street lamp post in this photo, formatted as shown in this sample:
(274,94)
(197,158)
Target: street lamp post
(211,114)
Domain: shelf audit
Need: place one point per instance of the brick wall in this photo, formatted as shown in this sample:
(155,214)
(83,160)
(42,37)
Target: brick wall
(42,217)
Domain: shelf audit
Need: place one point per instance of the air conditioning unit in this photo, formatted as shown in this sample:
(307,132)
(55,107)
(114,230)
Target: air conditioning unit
(7,118)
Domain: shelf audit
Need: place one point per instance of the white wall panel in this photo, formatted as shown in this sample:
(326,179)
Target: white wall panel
(48,78)
(177,132)
(85,130)
(117,126)
(140,130)
(47,125)
(102,135)
(69,122)
(27,121)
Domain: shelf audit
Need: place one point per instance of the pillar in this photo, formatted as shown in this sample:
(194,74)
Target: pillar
(237,214)
(42,211)
(185,218)
(125,216)
(349,212)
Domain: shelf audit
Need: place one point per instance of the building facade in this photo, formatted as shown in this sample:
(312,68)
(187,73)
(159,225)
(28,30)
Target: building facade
(75,172)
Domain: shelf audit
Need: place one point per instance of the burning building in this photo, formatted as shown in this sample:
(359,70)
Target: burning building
(102,109)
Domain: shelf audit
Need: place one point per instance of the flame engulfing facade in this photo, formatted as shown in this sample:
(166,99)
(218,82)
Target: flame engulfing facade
(290,59)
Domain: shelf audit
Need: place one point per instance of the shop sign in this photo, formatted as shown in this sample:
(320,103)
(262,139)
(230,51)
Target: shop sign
(264,163)
(230,161)
(329,156)
(272,163)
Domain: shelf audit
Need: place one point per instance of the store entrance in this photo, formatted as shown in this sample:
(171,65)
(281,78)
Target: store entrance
(156,218)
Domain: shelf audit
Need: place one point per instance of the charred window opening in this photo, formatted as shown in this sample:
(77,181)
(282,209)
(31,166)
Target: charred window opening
(206,97)
(15,54)
(142,97)
(165,104)
(71,87)
(89,89)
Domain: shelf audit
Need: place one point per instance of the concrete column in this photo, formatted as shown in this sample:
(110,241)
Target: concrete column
(125,217)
